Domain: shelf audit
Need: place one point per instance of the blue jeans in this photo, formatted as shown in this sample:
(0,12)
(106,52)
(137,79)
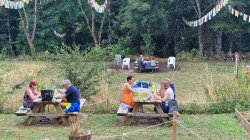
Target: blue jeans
(164,109)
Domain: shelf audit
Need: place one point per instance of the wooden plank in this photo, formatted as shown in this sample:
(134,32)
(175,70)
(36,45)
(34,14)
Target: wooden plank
(39,100)
(82,102)
(48,114)
(246,115)
(174,126)
(22,112)
(153,115)
(148,102)
(35,110)
(122,111)
(135,110)
(243,121)
(159,111)
(59,110)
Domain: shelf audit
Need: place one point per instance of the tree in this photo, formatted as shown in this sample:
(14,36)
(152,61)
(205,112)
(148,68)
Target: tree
(232,26)
(29,37)
(92,29)
(141,23)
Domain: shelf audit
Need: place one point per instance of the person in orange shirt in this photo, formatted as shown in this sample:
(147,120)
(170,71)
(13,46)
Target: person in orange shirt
(127,95)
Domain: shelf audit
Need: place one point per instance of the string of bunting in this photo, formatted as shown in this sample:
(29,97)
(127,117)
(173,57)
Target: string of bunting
(14,4)
(221,4)
(59,35)
(98,8)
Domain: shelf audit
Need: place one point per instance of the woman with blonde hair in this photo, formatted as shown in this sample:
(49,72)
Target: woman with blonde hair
(166,96)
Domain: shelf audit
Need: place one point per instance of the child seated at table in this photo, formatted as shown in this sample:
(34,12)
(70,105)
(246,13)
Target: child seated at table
(29,96)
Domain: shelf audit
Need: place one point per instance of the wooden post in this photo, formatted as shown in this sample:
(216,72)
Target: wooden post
(107,105)
(174,126)
(236,65)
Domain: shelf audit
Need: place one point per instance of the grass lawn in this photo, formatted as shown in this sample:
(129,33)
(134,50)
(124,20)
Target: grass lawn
(189,81)
(222,126)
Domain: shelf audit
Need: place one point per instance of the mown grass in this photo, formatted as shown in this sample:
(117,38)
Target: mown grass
(223,126)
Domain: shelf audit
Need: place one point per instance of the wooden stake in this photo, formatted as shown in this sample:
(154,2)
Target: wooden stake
(236,65)
(174,126)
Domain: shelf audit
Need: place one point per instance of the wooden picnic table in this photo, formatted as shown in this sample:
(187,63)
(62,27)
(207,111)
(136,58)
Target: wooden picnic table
(154,68)
(158,114)
(38,103)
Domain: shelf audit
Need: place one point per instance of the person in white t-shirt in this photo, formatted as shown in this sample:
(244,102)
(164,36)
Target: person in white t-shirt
(166,96)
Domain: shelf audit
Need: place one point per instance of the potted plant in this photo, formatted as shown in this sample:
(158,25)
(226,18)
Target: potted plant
(74,130)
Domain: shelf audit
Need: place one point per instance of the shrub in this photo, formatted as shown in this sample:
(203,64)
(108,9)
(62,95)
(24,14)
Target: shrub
(118,49)
(96,54)
(188,56)
(229,94)
(83,74)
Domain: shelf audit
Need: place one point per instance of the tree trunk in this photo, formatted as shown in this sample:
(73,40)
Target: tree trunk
(100,31)
(8,26)
(26,29)
(231,46)
(218,45)
(200,32)
(93,28)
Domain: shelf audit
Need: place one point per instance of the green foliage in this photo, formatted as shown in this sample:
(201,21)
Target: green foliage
(96,54)
(3,54)
(188,56)
(230,95)
(83,74)
(118,49)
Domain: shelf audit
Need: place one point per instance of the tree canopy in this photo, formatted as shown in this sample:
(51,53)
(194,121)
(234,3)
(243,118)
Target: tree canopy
(146,27)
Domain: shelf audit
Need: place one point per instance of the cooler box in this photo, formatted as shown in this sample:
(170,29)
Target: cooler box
(141,94)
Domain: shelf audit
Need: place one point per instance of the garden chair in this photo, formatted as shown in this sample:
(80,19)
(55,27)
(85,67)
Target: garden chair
(118,60)
(126,62)
(171,61)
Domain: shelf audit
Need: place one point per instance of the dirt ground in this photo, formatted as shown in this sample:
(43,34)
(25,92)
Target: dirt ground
(162,68)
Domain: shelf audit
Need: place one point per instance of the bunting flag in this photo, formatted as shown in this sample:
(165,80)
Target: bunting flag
(98,8)
(13,4)
(220,5)
(59,35)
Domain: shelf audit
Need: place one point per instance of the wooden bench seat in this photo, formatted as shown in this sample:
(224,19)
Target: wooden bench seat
(122,112)
(27,111)
(23,111)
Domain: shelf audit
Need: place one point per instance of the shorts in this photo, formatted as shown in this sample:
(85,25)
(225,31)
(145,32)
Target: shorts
(64,104)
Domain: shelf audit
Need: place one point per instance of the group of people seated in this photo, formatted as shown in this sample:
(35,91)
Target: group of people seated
(70,96)
(146,62)
(164,94)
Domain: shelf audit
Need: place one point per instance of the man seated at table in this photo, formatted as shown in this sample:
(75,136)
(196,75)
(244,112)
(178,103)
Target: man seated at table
(141,66)
(71,94)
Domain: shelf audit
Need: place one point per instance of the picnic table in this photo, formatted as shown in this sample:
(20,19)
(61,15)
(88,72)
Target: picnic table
(154,68)
(31,114)
(158,114)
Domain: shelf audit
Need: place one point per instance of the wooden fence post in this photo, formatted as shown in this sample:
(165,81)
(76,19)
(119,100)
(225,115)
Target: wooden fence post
(174,126)
(236,65)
